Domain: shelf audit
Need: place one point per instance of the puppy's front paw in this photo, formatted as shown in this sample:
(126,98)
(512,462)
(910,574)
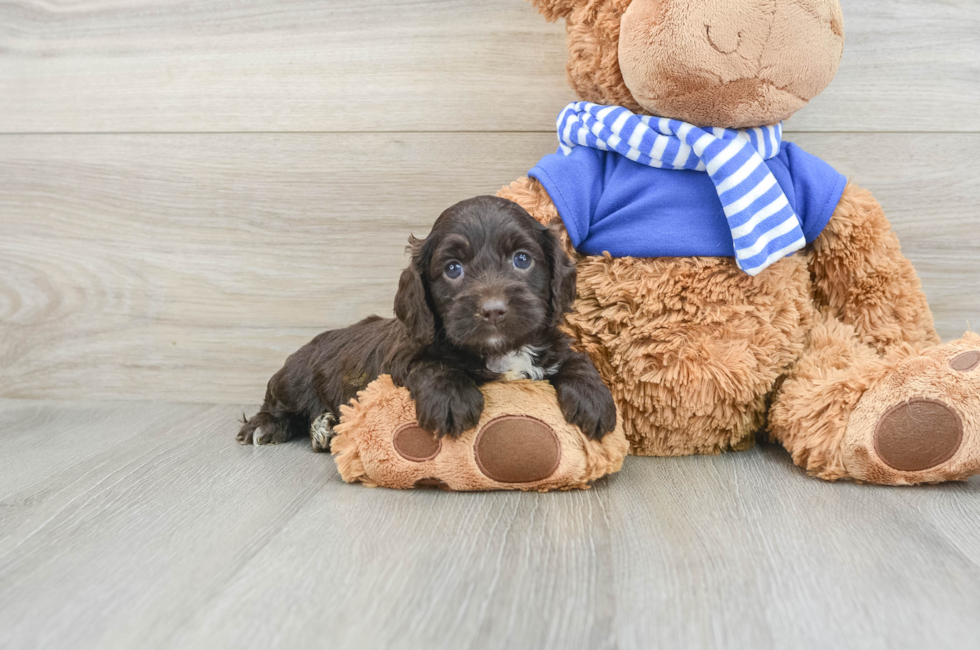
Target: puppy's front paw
(588,404)
(449,410)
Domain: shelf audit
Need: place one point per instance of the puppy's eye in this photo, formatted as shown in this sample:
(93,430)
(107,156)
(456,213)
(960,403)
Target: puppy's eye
(454,270)
(521,260)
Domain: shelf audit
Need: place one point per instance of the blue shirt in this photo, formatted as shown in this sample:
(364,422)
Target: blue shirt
(610,203)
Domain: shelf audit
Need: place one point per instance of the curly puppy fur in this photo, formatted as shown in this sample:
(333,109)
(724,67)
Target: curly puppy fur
(486,289)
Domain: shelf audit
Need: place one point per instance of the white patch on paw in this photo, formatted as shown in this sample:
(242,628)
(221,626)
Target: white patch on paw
(519,364)
(321,432)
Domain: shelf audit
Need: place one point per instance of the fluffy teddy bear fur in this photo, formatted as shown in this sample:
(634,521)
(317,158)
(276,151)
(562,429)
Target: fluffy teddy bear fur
(817,350)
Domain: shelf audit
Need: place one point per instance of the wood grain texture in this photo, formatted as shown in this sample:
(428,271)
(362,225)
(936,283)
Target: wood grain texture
(410,65)
(187,267)
(165,533)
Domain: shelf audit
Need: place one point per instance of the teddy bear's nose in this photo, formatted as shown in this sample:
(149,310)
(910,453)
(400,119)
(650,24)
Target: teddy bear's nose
(724,37)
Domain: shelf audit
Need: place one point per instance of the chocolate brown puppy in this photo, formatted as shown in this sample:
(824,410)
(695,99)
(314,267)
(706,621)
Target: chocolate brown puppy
(481,300)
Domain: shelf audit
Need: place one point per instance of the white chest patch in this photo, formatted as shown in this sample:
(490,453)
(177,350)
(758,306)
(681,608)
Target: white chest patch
(519,364)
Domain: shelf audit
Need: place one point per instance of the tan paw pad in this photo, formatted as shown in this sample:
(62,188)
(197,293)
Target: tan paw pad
(432,483)
(517,449)
(918,435)
(966,361)
(414,443)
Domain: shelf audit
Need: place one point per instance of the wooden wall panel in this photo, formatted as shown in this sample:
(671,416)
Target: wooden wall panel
(410,65)
(187,267)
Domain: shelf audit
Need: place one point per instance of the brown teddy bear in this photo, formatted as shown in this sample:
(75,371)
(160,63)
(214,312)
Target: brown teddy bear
(729,282)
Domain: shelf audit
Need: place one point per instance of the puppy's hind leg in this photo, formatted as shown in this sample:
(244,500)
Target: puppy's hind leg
(322,433)
(265,429)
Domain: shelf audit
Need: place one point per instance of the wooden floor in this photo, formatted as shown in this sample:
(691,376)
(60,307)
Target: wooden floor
(145,525)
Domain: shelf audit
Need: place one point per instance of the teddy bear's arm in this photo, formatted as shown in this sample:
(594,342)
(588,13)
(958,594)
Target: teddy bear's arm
(860,275)
(531,195)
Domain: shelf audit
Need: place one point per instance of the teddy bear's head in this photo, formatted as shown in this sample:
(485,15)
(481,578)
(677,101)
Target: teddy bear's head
(728,63)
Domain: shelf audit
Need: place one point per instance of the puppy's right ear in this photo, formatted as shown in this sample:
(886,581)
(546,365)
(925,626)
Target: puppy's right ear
(563,274)
(552,10)
(411,302)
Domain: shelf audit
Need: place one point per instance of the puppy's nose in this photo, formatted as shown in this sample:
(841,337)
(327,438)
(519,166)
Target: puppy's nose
(493,310)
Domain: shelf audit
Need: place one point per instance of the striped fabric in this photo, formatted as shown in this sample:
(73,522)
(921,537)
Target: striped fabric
(764,226)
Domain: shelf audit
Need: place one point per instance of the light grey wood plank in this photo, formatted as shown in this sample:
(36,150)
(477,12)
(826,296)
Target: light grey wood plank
(187,540)
(187,267)
(55,454)
(818,564)
(308,65)
(38,435)
(300,65)
(907,67)
(118,549)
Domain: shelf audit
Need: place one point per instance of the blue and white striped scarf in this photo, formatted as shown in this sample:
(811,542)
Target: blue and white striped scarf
(764,226)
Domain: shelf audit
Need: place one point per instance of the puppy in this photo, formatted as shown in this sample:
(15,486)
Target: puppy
(481,300)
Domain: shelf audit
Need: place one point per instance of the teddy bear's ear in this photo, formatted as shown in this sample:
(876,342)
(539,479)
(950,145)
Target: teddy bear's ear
(555,9)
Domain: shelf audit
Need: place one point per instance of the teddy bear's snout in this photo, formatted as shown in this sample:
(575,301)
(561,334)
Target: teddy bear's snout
(715,62)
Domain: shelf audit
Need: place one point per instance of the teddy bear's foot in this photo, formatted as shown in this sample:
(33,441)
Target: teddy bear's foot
(920,421)
(522,442)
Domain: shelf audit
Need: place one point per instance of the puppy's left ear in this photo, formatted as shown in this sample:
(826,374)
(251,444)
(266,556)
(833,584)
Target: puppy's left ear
(562,275)
(411,301)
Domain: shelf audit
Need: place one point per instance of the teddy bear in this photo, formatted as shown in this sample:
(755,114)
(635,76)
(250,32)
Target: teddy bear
(729,283)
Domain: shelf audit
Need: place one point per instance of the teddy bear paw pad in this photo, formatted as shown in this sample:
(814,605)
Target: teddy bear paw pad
(966,361)
(517,449)
(414,443)
(432,483)
(918,434)
(920,420)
